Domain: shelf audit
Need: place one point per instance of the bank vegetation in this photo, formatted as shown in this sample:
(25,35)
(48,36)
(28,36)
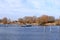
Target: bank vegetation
(33,20)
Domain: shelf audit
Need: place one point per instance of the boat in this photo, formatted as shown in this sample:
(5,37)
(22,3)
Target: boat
(27,25)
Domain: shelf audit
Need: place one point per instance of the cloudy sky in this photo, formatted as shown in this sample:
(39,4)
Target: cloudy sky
(19,8)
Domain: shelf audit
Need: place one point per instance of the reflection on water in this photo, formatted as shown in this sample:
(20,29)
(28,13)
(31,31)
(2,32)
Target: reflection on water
(29,33)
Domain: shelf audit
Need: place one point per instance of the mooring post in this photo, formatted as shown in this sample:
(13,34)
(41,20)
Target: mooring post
(58,28)
(50,29)
(44,28)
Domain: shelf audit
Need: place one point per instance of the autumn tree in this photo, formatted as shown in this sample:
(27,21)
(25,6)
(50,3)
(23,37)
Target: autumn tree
(51,19)
(5,20)
(57,21)
(0,20)
(43,19)
(21,20)
(28,19)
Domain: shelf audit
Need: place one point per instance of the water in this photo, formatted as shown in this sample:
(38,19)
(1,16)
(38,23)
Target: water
(15,32)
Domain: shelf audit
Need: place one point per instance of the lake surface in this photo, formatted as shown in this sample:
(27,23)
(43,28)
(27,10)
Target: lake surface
(15,32)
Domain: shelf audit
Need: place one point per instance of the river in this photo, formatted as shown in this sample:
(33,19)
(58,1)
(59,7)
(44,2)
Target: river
(29,33)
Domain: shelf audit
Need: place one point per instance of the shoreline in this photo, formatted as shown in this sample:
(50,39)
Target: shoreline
(28,25)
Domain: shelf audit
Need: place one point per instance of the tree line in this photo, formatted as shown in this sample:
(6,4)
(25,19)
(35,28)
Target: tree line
(42,20)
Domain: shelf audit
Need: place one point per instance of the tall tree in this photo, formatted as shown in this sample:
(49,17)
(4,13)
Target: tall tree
(5,20)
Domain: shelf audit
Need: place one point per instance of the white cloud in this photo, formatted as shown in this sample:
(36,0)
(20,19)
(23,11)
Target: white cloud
(20,7)
(36,4)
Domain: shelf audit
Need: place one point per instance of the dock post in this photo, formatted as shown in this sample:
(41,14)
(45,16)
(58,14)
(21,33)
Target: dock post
(50,29)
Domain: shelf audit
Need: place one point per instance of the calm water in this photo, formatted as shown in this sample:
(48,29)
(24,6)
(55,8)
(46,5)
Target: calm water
(15,32)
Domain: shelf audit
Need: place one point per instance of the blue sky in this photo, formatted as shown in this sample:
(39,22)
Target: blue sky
(19,8)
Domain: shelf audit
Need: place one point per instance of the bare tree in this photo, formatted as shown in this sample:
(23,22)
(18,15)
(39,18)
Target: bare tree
(4,20)
(57,21)
(51,19)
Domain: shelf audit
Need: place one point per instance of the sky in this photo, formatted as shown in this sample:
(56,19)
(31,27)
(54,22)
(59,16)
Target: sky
(14,9)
